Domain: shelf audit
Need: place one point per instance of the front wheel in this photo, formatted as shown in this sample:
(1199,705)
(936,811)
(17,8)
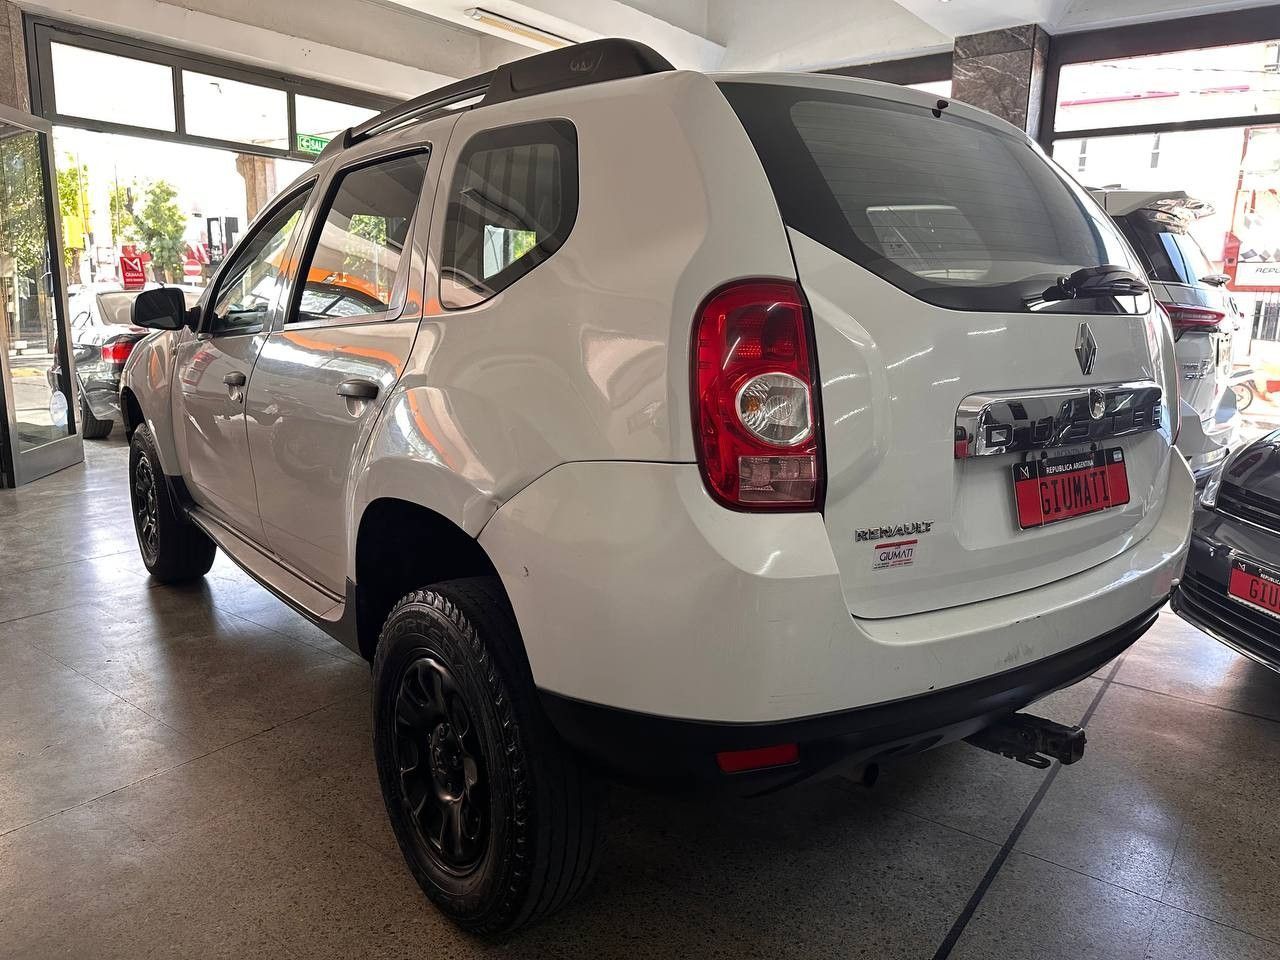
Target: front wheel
(173,548)
(497,820)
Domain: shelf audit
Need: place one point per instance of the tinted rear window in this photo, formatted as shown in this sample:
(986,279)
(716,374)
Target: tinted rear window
(1172,255)
(954,212)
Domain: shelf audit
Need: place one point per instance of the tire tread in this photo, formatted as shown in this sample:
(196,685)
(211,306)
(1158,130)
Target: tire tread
(558,856)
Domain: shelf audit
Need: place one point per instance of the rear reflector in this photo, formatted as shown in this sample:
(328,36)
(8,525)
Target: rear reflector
(117,351)
(739,761)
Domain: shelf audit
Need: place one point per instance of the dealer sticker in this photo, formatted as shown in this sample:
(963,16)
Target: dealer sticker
(896,553)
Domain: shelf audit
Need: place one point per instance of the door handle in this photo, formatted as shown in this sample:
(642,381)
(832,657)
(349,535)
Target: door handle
(358,389)
(234,379)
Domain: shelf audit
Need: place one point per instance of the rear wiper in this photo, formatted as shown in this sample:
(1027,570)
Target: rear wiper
(1107,280)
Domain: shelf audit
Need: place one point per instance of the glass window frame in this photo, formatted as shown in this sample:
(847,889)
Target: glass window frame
(1147,39)
(313,228)
(524,133)
(41,32)
(306,189)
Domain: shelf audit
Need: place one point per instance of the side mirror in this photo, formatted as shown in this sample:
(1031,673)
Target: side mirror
(164,308)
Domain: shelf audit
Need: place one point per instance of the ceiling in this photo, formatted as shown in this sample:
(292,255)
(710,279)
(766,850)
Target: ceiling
(403,47)
(800,34)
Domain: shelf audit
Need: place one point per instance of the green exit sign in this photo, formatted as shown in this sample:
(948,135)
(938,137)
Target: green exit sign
(310,144)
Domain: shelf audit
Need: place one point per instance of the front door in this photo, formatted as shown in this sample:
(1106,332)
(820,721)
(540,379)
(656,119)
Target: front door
(214,365)
(38,432)
(324,375)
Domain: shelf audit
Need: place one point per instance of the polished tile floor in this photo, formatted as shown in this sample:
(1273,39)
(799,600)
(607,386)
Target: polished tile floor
(187,773)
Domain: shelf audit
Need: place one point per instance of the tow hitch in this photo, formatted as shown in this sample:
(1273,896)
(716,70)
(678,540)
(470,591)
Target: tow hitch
(1034,741)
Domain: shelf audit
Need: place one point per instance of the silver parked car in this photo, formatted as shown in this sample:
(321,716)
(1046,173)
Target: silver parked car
(1204,315)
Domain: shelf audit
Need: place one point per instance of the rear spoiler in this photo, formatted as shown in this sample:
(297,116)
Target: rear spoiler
(1175,203)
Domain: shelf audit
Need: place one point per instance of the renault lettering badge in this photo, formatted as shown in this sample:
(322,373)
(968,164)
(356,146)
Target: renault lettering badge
(1086,349)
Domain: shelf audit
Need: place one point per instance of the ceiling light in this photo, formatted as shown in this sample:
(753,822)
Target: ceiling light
(524,30)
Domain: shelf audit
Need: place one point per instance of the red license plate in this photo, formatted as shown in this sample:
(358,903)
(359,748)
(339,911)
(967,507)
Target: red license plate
(1255,586)
(1047,491)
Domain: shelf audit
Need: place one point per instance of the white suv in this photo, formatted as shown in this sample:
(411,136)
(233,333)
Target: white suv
(715,430)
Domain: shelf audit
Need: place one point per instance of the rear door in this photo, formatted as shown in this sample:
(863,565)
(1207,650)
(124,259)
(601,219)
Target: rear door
(930,245)
(324,374)
(214,364)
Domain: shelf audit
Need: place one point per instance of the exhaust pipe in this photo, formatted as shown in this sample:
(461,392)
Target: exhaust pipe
(1032,740)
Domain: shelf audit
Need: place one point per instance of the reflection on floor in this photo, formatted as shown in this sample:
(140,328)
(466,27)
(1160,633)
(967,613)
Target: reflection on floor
(187,773)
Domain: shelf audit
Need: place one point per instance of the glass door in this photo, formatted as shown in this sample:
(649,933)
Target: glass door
(38,425)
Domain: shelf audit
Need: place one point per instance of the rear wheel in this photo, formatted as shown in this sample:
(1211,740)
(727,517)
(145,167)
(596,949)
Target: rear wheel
(173,548)
(91,428)
(497,820)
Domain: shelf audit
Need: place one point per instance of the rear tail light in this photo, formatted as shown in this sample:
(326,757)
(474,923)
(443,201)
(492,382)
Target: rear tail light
(1192,318)
(117,352)
(755,398)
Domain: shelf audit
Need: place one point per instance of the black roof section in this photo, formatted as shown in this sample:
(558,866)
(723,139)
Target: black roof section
(579,65)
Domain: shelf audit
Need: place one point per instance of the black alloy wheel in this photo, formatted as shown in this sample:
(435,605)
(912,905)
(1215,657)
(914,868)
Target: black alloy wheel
(173,548)
(146,510)
(442,772)
(497,819)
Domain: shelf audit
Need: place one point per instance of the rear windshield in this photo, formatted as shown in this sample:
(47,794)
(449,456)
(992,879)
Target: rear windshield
(1172,254)
(117,307)
(954,212)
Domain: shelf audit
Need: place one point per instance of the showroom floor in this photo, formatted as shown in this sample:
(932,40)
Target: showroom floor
(187,773)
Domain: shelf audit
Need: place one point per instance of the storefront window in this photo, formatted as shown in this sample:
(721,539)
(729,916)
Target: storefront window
(1234,173)
(224,109)
(1232,81)
(102,86)
(319,121)
(178,206)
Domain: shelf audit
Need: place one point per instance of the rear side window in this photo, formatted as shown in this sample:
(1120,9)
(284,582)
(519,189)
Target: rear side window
(351,268)
(955,213)
(512,203)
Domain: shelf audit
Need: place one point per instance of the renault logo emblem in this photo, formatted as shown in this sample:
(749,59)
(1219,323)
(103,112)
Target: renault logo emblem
(1086,349)
(1097,403)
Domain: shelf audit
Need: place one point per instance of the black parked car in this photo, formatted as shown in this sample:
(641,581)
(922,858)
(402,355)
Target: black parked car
(102,337)
(1231,589)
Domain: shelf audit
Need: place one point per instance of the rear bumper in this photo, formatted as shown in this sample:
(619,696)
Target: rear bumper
(635,591)
(1201,599)
(674,752)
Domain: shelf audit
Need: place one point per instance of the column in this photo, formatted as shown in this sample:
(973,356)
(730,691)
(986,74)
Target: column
(1002,72)
(13,59)
(259,181)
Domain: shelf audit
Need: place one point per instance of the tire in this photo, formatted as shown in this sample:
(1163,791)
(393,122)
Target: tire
(173,548)
(507,826)
(91,428)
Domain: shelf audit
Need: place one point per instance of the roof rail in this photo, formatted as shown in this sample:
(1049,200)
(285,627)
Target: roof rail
(578,65)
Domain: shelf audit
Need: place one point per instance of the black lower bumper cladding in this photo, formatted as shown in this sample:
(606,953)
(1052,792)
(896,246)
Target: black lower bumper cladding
(681,753)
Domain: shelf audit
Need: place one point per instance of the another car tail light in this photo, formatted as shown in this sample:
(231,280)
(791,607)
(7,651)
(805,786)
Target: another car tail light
(755,398)
(1192,318)
(117,351)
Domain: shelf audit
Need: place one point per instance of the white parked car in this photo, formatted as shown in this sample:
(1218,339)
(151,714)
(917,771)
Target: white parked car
(1204,315)
(704,429)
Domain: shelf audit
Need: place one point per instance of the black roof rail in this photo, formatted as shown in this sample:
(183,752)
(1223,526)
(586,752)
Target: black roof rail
(574,66)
